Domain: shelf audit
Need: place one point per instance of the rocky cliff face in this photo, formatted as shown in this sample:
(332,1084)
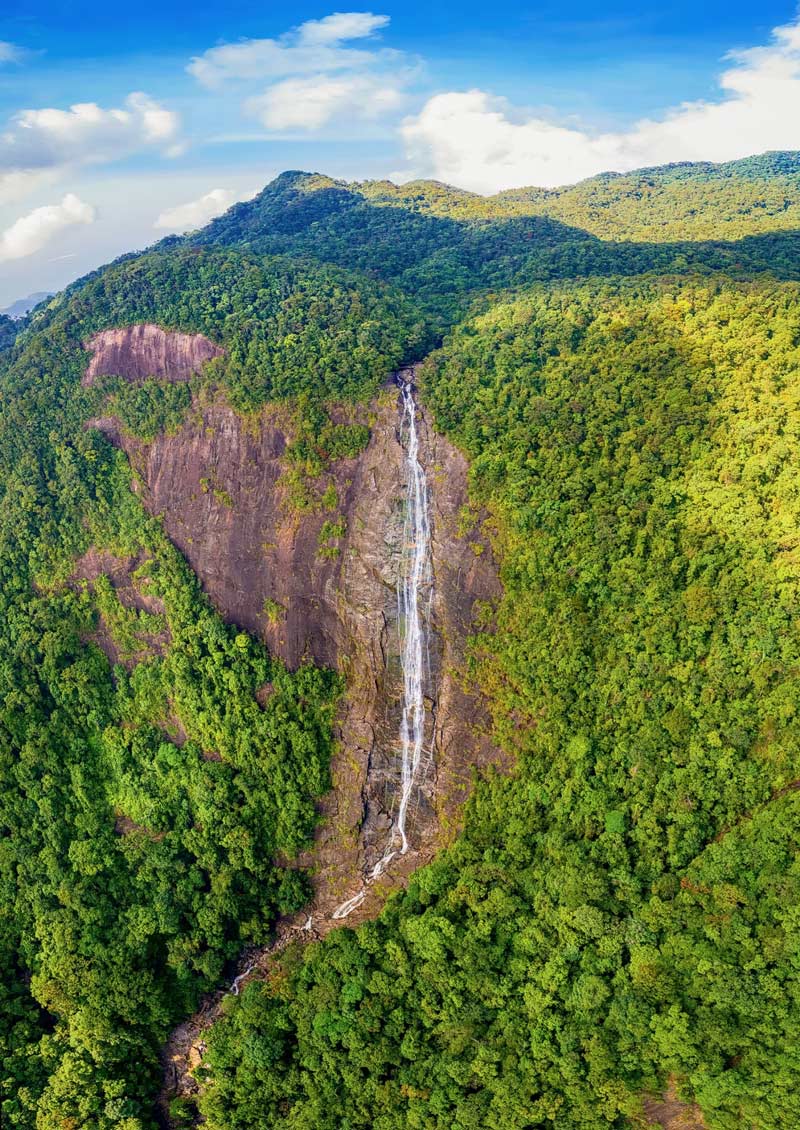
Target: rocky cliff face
(138,352)
(221,486)
(318,581)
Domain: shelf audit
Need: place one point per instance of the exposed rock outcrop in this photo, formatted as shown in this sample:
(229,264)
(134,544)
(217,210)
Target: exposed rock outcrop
(222,488)
(220,485)
(131,592)
(671,1113)
(138,352)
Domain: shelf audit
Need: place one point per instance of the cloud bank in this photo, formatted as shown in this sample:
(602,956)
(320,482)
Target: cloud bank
(314,76)
(32,232)
(480,142)
(195,213)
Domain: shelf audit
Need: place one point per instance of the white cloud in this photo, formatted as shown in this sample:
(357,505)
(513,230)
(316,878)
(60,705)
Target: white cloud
(32,232)
(86,134)
(195,213)
(341,26)
(314,47)
(21,185)
(314,77)
(10,53)
(310,103)
(480,142)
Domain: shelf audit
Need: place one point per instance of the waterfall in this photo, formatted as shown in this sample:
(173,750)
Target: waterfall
(350,904)
(414,594)
(414,591)
(414,583)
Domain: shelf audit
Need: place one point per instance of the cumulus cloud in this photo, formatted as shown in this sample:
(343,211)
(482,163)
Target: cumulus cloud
(195,213)
(341,26)
(32,232)
(310,103)
(315,75)
(313,47)
(477,141)
(38,146)
(86,134)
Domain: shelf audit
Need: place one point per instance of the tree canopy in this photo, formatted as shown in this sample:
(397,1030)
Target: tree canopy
(619,362)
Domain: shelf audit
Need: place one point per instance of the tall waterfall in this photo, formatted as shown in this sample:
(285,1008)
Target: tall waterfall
(414,595)
(414,587)
(414,591)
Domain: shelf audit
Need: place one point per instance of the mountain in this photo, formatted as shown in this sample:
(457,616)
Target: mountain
(395,558)
(22,306)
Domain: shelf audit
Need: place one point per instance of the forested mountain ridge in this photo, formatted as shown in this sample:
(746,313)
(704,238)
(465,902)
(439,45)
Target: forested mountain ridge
(618,361)
(674,202)
(443,245)
(682,201)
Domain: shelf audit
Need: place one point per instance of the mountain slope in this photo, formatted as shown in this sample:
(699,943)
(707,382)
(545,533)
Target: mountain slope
(149,812)
(618,362)
(623,908)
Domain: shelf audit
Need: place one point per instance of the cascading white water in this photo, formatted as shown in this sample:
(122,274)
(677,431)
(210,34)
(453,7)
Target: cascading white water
(347,907)
(415,580)
(414,590)
(414,594)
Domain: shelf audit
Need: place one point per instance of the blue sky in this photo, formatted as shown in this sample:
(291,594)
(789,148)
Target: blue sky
(121,125)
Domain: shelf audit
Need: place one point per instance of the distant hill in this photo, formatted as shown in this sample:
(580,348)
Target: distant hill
(21,307)
(441,244)
(679,202)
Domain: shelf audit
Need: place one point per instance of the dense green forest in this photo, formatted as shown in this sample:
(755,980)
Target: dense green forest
(618,361)
(134,868)
(677,202)
(442,246)
(625,906)
(8,331)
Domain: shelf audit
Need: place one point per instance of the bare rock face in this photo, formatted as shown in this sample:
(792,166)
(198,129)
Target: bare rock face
(138,352)
(671,1113)
(132,594)
(221,486)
